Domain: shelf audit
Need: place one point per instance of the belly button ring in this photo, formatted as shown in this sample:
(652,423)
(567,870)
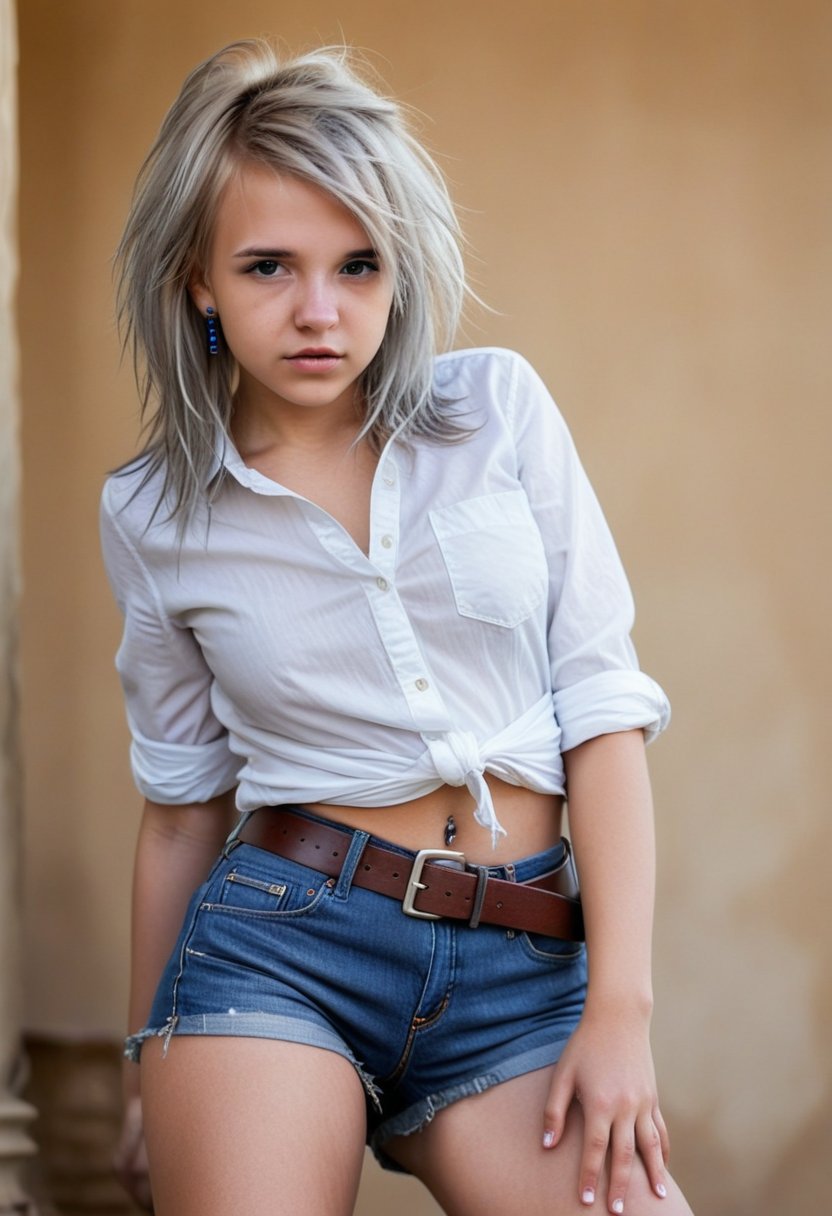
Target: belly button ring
(450,831)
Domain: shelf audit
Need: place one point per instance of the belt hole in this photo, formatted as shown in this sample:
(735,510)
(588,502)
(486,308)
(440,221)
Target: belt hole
(366,867)
(395,873)
(448,894)
(335,854)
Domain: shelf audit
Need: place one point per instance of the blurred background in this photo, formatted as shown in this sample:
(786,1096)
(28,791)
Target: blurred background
(645,186)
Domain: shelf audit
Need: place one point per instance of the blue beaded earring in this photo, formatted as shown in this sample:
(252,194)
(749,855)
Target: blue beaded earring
(212,331)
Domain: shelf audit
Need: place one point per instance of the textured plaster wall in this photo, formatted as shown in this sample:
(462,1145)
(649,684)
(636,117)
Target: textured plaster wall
(646,186)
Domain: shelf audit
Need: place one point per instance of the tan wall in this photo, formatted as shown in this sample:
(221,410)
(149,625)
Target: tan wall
(648,188)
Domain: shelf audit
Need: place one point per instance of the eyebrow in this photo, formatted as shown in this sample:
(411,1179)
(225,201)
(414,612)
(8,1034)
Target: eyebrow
(278,254)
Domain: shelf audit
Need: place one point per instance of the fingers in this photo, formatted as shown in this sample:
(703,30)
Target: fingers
(619,1142)
(661,1127)
(560,1098)
(622,1157)
(597,1137)
(130,1157)
(612,1134)
(654,1149)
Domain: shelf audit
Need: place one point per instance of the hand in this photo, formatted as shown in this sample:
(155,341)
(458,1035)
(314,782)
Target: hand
(608,1067)
(130,1157)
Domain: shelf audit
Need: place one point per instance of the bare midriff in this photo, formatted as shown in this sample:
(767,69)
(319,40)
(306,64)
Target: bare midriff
(533,821)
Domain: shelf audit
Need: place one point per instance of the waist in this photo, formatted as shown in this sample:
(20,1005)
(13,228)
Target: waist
(533,821)
(537,894)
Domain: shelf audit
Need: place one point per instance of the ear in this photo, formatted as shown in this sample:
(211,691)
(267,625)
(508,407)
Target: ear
(200,292)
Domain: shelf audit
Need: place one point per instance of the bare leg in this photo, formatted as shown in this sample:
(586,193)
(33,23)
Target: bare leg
(251,1125)
(483,1156)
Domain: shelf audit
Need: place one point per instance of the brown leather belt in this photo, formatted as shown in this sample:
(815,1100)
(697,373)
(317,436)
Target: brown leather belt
(432,884)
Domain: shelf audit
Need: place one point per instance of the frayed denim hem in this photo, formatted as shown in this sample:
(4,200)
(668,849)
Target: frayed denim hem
(253,1026)
(421,1113)
(133,1044)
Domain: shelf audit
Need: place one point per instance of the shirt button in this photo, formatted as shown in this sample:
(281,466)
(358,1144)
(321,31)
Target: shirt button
(422,684)
(389,477)
(387,542)
(382,584)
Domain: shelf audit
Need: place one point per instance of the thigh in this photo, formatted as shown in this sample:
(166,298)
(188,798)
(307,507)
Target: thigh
(482,1156)
(251,1125)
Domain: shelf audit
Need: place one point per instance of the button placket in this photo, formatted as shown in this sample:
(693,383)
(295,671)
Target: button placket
(408,663)
(335,539)
(384,518)
(396,632)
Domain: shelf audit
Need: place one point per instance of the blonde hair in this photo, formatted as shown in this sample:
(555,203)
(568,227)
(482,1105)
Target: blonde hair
(314,118)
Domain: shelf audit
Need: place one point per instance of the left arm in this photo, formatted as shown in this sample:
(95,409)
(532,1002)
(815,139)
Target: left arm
(606,708)
(607,1065)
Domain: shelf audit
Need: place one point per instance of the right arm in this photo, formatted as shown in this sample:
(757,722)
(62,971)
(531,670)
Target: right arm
(180,758)
(176,848)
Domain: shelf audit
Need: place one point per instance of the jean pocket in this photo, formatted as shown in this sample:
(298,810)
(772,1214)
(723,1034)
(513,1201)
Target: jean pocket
(274,891)
(494,556)
(553,950)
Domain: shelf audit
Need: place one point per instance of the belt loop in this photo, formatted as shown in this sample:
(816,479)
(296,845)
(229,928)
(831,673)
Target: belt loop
(354,852)
(232,842)
(479,895)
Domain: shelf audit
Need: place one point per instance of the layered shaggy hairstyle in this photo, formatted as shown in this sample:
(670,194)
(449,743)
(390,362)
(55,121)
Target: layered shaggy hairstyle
(314,118)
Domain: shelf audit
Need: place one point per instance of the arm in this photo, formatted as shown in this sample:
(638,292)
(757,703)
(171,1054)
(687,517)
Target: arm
(606,709)
(180,759)
(176,848)
(607,1066)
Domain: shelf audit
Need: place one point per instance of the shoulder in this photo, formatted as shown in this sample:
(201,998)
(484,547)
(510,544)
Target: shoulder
(479,369)
(493,380)
(133,498)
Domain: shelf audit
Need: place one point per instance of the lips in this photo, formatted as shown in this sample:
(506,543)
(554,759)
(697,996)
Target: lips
(315,359)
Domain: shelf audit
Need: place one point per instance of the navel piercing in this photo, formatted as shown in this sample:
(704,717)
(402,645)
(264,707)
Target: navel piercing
(450,831)
(212,331)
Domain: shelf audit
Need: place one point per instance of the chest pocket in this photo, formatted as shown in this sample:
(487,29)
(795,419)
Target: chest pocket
(494,556)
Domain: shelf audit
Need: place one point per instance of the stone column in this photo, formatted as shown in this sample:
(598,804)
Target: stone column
(15,1145)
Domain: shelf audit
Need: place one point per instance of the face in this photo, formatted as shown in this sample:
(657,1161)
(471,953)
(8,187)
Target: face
(302,298)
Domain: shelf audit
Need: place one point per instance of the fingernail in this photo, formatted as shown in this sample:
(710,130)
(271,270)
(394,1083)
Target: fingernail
(618,1206)
(588,1195)
(661,1190)
(548,1139)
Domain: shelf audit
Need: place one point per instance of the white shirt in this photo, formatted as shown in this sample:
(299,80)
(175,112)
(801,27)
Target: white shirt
(486,632)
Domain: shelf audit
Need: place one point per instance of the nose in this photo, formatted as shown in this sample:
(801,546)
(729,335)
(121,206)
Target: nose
(316,306)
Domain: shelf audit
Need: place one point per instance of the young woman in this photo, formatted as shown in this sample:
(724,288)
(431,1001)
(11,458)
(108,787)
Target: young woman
(371,602)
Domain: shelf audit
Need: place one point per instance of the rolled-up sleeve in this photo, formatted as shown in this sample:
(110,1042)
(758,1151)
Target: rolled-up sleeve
(597,686)
(179,751)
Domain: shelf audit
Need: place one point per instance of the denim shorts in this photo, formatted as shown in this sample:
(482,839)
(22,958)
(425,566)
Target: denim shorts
(427,1011)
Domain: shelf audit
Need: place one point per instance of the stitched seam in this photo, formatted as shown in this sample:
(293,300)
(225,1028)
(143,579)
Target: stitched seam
(416,1025)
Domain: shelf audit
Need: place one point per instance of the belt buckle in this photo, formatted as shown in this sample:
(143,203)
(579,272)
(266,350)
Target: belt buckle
(414,886)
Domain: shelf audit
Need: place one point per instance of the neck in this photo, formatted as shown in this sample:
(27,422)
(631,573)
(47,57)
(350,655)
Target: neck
(257,424)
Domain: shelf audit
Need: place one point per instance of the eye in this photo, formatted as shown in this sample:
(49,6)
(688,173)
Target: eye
(266,269)
(359,267)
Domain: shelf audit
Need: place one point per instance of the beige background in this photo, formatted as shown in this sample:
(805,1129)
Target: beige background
(646,187)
